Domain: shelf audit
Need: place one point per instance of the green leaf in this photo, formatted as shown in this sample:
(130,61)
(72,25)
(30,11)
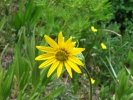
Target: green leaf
(35,76)
(103,92)
(130,59)
(81,57)
(2,22)
(29,10)
(122,86)
(7,83)
(130,97)
(1,75)
(22,69)
(19,96)
(54,94)
(45,80)
(17,21)
(75,83)
(1,69)
(18,63)
(30,50)
(36,14)
(1,94)
(131,66)
(130,55)
(25,76)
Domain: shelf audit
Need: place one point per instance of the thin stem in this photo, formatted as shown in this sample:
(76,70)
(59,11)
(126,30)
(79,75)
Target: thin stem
(89,81)
(109,70)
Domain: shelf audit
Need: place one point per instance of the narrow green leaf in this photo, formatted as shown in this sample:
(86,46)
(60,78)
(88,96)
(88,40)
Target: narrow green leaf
(1,69)
(2,55)
(1,94)
(22,69)
(123,85)
(45,80)
(131,66)
(18,63)
(30,50)
(130,55)
(19,96)
(112,69)
(35,76)
(54,94)
(25,76)
(36,15)
(29,10)
(108,68)
(17,21)
(2,22)
(130,97)
(21,12)
(7,83)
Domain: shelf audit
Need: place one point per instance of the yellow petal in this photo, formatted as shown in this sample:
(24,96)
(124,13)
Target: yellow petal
(103,46)
(53,67)
(46,49)
(51,42)
(68,68)
(93,29)
(73,66)
(47,63)
(68,42)
(92,81)
(75,60)
(60,40)
(45,56)
(76,51)
(59,69)
(70,47)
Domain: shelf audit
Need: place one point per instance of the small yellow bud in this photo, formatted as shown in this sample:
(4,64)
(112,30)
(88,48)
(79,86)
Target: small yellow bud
(103,46)
(92,81)
(93,29)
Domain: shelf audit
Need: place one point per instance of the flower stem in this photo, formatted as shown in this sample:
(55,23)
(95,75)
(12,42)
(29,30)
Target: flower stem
(89,81)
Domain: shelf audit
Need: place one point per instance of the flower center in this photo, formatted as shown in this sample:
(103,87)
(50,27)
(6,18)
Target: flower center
(61,55)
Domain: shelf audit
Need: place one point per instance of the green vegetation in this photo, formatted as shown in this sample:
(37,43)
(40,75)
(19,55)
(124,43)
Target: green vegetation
(102,27)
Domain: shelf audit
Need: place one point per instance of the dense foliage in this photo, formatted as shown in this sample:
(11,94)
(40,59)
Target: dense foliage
(123,15)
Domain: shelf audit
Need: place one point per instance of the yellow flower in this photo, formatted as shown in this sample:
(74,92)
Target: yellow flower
(59,55)
(103,46)
(93,29)
(92,81)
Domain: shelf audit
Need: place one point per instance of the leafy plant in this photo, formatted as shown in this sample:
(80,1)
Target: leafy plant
(122,11)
